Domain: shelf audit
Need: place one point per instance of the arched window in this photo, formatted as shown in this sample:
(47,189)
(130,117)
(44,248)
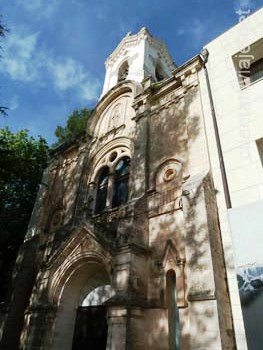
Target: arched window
(121,182)
(113,183)
(173,315)
(123,71)
(102,190)
(159,74)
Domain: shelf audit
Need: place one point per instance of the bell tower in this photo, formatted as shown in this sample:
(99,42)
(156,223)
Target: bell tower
(136,57)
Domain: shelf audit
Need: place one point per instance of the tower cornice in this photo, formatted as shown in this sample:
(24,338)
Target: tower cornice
(132,40)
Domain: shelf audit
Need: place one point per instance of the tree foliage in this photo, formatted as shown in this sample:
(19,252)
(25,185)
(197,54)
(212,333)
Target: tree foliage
(2,28)
(22,160)
(3,31)
(76,124)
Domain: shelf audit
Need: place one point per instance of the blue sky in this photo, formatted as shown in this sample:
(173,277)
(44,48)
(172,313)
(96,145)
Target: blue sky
(53,56)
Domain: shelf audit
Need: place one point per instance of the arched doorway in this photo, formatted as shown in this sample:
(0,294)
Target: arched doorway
(80,281)
(173,314)
(91,324)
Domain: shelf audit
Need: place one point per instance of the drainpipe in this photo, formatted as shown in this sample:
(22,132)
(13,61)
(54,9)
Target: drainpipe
(204,56)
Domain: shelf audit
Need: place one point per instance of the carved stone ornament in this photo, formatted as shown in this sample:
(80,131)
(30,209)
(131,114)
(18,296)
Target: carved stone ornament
(169,175)
(115,117)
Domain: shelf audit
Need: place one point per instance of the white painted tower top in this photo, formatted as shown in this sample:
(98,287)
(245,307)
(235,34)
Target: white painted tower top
(136,57)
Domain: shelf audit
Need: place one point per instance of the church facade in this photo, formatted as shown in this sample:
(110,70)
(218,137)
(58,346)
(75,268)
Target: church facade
(127,245)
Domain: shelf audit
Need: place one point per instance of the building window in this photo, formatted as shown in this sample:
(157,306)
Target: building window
(251,74)
(102,190)
(249,64)
(158,73)
(256,70)
(260,149)
(121,182)
(173,314)
(113,184)
(123,71)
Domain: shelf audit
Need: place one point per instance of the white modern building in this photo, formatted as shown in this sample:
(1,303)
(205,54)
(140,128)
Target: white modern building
(235,69)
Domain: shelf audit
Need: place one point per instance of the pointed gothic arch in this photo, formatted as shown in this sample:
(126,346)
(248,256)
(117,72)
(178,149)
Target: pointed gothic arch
(175,291)
(173,261)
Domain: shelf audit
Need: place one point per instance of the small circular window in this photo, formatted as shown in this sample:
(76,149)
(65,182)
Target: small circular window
(169,174)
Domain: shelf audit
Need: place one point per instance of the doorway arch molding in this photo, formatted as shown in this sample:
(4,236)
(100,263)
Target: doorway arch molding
(89,260)
(82,265)
(82,250)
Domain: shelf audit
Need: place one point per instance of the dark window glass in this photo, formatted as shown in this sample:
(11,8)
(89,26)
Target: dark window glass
(121,182)
(102,191)
(159,76)
(173,313)
(256,70)
(251,74)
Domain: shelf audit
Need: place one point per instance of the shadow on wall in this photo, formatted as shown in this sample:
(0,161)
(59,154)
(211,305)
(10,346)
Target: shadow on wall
(173,130)
(172,133)
(200,279)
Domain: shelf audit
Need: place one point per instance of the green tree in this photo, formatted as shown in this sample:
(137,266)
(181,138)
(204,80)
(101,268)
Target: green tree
(2,27)
(22,160)
(76,125)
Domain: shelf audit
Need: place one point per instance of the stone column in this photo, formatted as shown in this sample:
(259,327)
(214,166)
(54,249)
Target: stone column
(91,198)
(40,323)
(117,328)
(110,190)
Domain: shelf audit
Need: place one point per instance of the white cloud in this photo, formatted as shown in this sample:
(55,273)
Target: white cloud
(89,91)
(40,8)
(245,7)
(245,3)
(19,51)
(24,60)
(67,73)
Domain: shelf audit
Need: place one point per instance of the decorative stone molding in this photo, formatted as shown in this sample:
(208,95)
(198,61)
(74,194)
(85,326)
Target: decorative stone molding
(133,40)
(122,146)
(172,261)
(199,293)
(168,175)
(129,87)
